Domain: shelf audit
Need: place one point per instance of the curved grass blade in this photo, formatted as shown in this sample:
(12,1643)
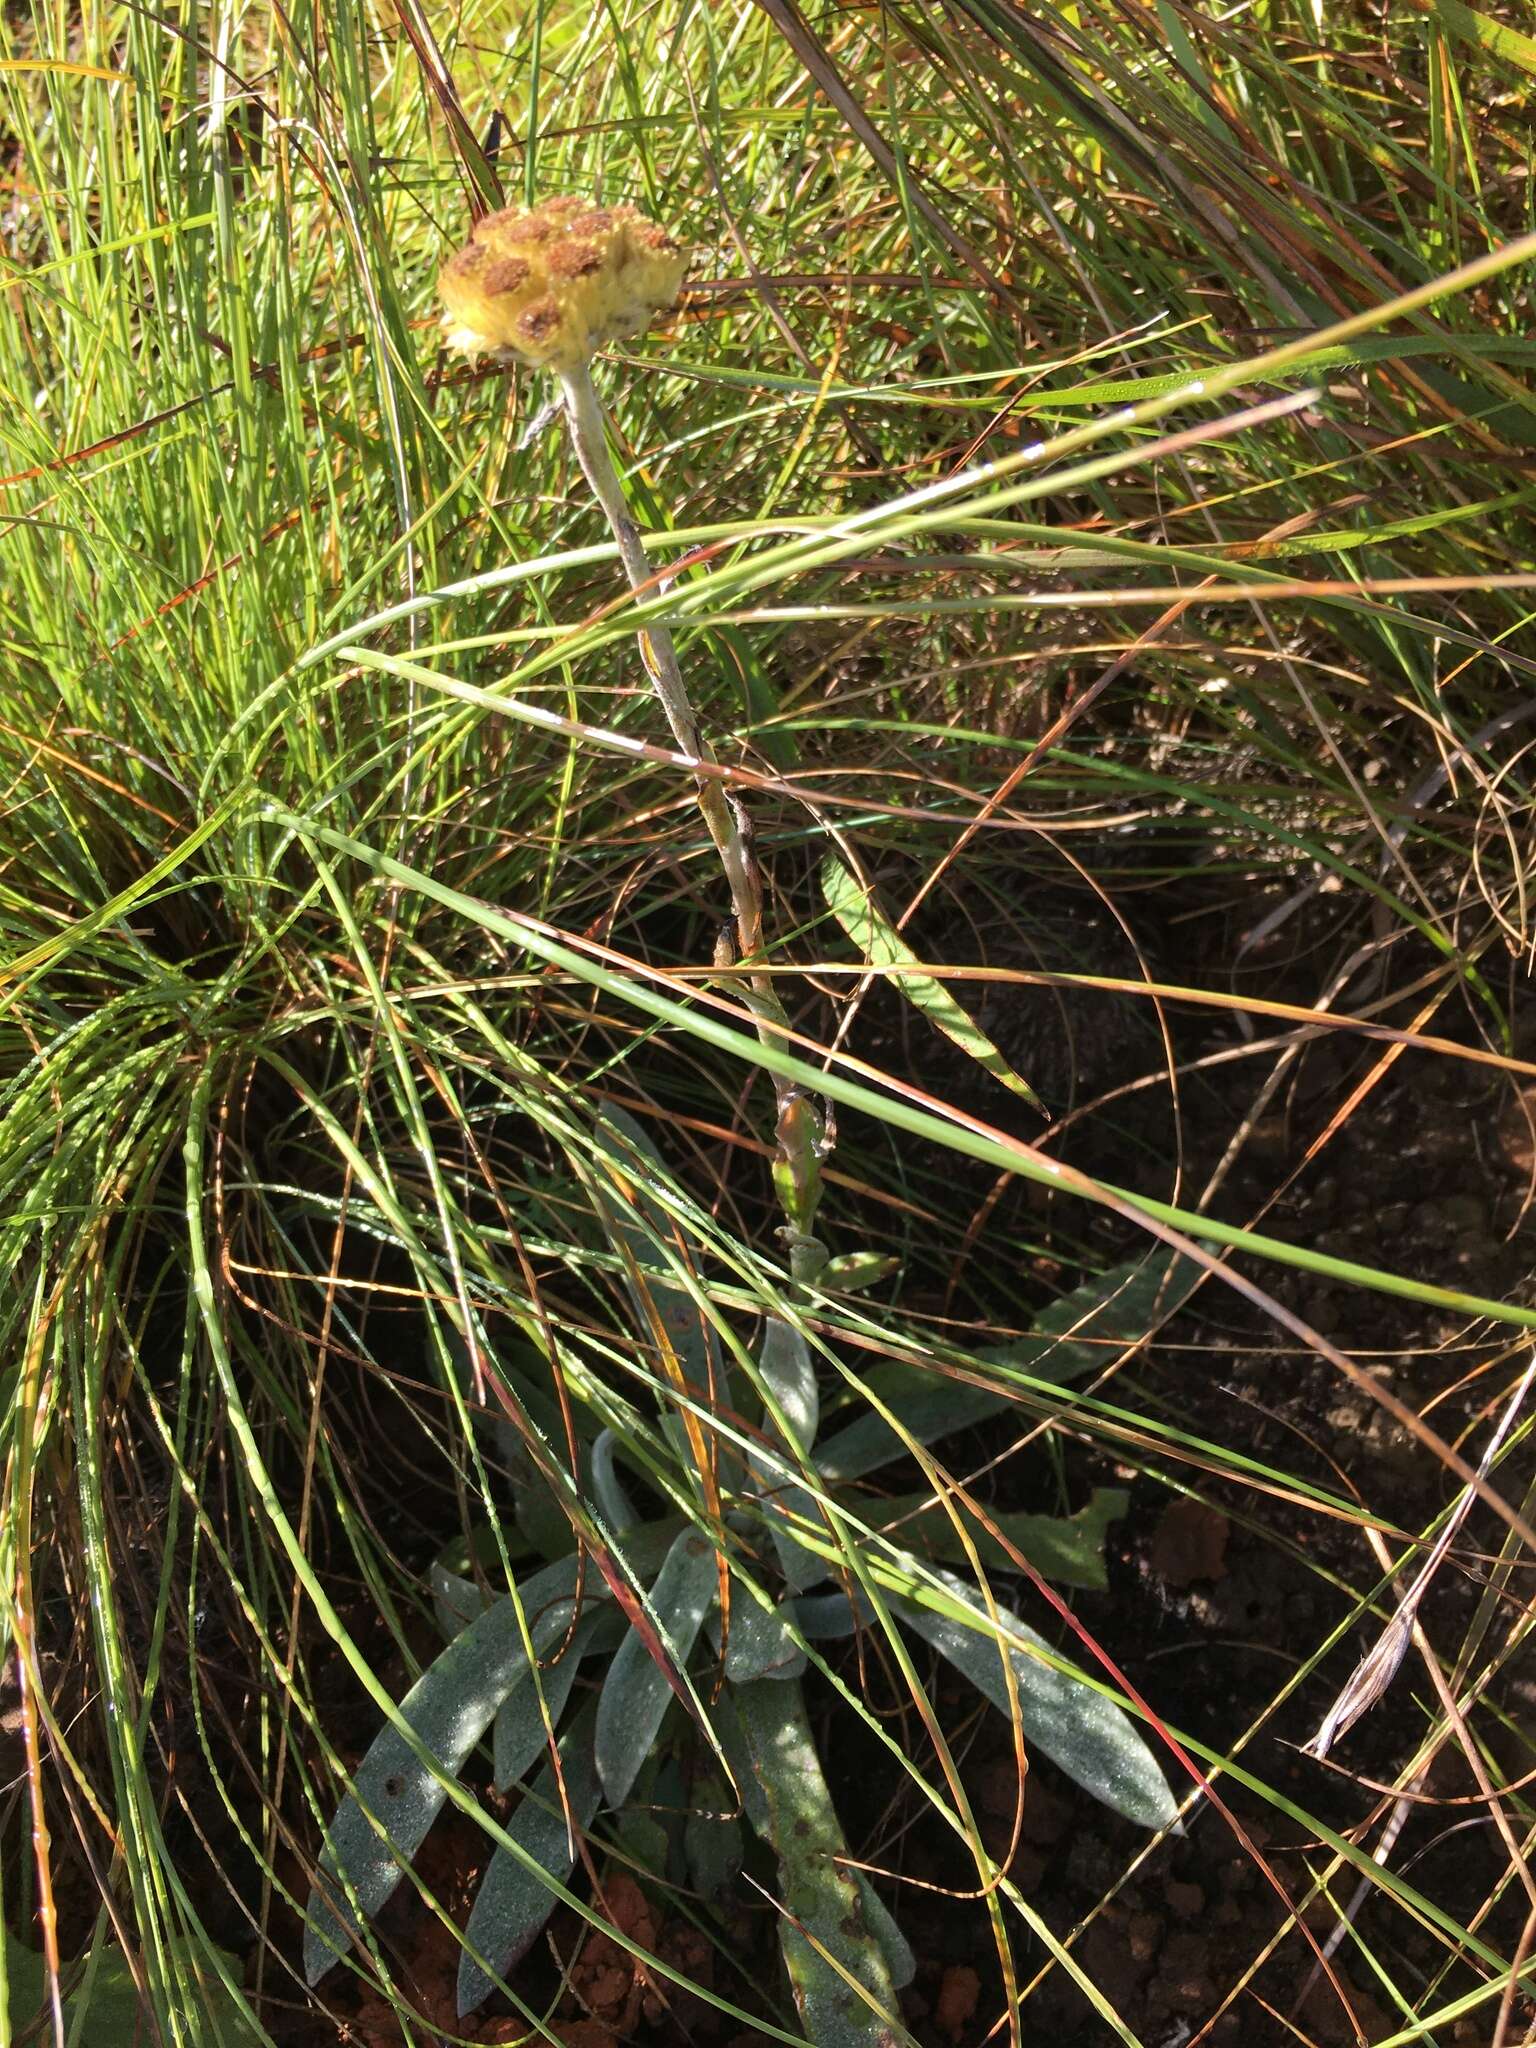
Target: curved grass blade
(639,1227)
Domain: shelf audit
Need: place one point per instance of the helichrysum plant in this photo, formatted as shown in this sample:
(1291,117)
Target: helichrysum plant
(698,1668)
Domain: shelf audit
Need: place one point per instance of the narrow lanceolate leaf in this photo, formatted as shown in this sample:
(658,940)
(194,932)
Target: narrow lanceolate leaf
(1082,1732)
(882,945)
(1082,1333)
(712,1838)
(515,1898)
(1068,1549)
(894,1946)
(1498,38)
(396,1797)
(789,1374)
(644,1675)
(521,1728)
(837,1967)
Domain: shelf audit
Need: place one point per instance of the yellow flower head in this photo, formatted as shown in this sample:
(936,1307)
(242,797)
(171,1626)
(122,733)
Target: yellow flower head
(553,284)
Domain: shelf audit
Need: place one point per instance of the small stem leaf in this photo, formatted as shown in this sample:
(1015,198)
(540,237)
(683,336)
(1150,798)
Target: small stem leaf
(638,1686)
(852,1272)
(882,945)
(1066,1548)
(1081,1333)
(1071,1722)
(513,1901)
(825,1935)
(789,1373)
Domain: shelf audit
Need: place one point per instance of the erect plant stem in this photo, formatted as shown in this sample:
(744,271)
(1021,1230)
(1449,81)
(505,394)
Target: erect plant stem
(801,1135)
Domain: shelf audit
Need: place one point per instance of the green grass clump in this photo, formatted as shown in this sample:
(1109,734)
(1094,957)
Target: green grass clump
(1096,454)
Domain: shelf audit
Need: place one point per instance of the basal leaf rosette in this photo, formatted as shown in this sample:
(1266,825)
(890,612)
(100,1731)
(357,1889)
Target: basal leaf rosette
(553,283)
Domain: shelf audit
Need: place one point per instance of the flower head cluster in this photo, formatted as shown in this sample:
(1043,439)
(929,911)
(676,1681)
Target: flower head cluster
(554,283)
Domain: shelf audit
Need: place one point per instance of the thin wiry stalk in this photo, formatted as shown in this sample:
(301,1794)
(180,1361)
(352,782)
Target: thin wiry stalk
(801,1131)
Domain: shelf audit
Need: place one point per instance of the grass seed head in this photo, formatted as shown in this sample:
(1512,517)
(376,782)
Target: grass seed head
(555,283)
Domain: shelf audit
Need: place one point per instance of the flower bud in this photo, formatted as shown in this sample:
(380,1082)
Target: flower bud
(554,283)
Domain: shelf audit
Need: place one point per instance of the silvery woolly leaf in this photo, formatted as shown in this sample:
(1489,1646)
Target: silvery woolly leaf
(712,1841)
(894,1946)
(1083,1733)
(1077,1335)
(396,1796)
(759,1643)
(516,1897)
(520,1731)
(636,1691)
(824,1907)
(613,1503)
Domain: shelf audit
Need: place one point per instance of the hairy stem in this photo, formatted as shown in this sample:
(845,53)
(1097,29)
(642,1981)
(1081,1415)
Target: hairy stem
(800,1132)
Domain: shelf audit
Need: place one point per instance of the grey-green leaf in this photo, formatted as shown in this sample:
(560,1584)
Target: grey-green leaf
(823,1901)
(636,1691)
(1083,1733)
(789,1373)
(1075,1336)
(396,1797)
(894,1946)
(520,1731)
(514,1900)
(712,1839)
(759,1644)
(613,1503)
